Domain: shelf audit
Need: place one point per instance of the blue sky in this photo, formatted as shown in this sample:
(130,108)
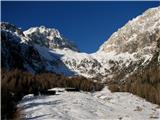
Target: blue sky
(87,24)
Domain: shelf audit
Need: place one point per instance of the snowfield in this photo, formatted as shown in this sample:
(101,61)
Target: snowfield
(102,105)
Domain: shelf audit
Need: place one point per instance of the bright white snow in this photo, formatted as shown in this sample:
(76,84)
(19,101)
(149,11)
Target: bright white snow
(95,106)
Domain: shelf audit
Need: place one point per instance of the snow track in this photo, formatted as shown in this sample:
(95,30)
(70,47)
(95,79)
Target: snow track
(94,106)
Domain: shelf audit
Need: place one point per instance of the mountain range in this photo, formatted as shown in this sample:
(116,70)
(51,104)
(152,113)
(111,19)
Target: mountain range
(40,49)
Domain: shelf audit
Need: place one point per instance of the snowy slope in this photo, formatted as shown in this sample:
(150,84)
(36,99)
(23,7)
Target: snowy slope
(95,106)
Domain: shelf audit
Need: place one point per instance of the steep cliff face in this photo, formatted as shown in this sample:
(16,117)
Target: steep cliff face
(16,52)
(138,35)
(132,47)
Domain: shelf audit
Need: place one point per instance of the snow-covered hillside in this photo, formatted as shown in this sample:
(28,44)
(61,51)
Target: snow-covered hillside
(94,106)
(131,47)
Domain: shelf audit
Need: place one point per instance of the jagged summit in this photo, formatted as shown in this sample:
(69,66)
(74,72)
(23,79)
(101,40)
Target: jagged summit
(12,28)
(49,37)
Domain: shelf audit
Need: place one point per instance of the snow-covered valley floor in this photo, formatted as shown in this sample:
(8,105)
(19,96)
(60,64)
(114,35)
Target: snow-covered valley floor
(102,105)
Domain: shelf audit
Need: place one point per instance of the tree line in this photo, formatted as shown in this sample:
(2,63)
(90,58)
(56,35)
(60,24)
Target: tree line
(144,83)
(16,83)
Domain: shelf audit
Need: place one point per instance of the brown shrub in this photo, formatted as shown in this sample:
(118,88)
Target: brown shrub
(114,87)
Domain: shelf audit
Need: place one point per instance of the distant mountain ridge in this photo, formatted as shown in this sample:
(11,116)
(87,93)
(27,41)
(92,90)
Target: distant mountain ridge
(42,49)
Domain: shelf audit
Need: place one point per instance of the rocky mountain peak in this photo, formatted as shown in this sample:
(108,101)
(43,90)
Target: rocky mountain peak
(12,28)
(49,37)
